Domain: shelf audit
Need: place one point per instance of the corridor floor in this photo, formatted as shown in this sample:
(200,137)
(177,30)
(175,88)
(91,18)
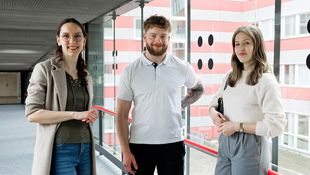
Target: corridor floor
(17,138)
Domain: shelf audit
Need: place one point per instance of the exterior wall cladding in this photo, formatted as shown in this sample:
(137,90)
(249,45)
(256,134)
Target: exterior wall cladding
(220,19)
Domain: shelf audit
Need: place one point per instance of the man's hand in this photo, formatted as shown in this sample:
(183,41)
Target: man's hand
(193,94)
(129,163)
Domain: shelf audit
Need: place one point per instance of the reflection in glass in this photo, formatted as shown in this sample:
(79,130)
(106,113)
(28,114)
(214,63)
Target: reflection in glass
(288,140)
(289,26)
(108,32)
(138,28)
(178,29)
(95,58)
(303,143)
(303,20)
(178,49)
(178,8)
(303,70)
(290,123)
(267,29)
(303,125)
(289,74)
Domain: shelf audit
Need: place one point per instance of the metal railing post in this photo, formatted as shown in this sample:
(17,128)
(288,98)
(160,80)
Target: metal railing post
(100,128)
(277,38)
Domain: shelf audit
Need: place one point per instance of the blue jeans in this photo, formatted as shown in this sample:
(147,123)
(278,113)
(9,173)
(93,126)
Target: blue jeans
(71,159)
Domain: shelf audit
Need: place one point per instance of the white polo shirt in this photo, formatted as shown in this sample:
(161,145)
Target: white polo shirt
(156,94)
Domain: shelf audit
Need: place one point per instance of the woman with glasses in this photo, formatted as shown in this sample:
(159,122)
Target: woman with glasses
(59,98)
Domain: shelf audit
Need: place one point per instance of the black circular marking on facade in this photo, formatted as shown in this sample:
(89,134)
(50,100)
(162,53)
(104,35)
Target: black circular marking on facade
(210,63)
(210,39)
(199,64)
(308,26)
(308,61)
(200,41)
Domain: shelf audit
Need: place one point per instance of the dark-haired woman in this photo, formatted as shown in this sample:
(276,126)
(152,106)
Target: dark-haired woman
(253,110)
(59,99)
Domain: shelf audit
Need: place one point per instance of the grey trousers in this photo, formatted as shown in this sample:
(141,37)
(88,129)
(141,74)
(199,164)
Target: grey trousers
(242,154)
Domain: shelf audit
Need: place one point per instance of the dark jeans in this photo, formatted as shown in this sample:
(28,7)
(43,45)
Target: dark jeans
(71,159)
(168,158)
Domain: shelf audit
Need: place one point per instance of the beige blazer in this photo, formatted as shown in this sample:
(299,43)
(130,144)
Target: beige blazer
(48,90)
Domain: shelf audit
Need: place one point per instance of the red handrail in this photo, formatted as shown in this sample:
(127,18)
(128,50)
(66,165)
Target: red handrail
(214,152)
(202,147)
(270,172)
(187,141)
(101,108)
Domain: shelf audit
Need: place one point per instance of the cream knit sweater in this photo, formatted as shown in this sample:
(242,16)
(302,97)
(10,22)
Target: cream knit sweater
(260,103)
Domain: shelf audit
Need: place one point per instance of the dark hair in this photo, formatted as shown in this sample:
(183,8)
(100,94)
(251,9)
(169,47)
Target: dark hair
(157,21)
(80,66)
(260,64)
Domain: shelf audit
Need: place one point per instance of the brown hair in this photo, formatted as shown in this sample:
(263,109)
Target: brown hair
(260,64)
(157,21)
(80,66)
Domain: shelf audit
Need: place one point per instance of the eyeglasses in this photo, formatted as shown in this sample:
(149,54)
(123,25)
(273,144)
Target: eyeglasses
(153,36)
(76,37)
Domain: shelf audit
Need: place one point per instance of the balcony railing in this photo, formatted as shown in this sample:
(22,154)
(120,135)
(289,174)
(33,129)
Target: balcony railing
(107,142)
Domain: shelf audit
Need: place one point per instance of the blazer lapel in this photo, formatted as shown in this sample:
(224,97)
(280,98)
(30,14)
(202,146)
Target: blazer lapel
(90,89)
(59,77)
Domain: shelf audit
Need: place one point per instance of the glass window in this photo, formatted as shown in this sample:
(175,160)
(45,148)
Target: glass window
(266,27)
(282,26)
(303,20)
(178,8)
(108,32)
(108,122)
(219,20)
(289,74)
(178,50)
(288,140)
(302,143)
(303,125)
(290,123)
(94,58)
(179,29)
(138,28)
(290,26)
(303,80)
(108,68)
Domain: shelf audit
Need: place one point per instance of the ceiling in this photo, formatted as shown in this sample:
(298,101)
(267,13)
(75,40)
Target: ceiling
(28,27)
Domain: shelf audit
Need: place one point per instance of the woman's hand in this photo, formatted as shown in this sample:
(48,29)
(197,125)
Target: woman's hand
(228,128)
(87,116)
(216,117)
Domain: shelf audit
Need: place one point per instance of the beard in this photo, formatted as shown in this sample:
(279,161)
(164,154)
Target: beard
(154,52)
